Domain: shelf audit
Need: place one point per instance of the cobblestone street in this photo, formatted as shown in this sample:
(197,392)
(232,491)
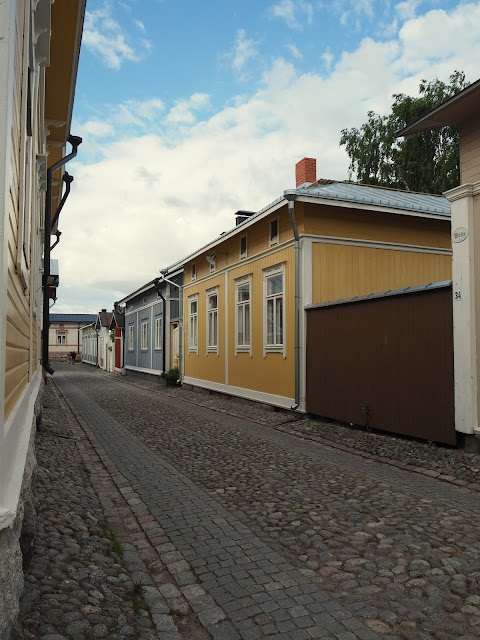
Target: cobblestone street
(242,524)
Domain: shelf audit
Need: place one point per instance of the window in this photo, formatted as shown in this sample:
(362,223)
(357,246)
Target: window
(212,261)
(144,337)
(130,337)
(61,337)
(243,247)
(158,333)
(212,320)
(274,231)
(194,271)
(242,315)
(193,323)
(274,310)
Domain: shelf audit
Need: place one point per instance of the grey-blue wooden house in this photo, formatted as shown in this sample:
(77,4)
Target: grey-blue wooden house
(152,326)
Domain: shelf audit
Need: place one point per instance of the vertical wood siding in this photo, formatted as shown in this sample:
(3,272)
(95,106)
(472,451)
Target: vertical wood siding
(470,151)
(342,271)
(394,353)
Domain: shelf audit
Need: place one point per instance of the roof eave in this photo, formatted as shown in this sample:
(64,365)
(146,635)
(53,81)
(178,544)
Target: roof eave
(443,115)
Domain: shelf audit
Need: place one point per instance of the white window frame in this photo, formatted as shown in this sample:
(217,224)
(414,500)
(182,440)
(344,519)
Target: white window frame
(193,272)
(243,348)
(192,325)
(276,239)
(213,264)
(64,335)
(158,334)
(243,255)
(277,347)
(131,328)
(144,335)
(210,314)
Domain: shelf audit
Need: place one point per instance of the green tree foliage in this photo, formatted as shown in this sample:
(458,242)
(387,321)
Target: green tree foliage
(428,162)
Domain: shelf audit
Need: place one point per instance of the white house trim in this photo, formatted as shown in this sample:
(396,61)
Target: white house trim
(271,271)
(245,261)
(242,392)
(376,244)
(17,430)
(153,372)
(465,303)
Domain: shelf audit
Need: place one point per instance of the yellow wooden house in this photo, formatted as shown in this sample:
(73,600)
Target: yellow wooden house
(244,293)
(39,49)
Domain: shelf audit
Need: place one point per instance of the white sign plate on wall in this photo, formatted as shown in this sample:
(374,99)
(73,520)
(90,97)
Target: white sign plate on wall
(459,234)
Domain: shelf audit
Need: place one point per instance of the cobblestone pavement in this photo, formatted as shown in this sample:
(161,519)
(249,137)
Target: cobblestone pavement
(269,535)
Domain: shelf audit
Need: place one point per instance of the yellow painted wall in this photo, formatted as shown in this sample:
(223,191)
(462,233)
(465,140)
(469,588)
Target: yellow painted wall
(376,226)
(342,272)
(273,373)
(228,251)
(203,365)
(18,311)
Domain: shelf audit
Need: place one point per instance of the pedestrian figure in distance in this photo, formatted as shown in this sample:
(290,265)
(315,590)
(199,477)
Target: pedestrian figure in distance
(74,355)
(69,357)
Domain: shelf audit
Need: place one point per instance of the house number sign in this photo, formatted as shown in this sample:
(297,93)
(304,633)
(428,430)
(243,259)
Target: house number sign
(459,234)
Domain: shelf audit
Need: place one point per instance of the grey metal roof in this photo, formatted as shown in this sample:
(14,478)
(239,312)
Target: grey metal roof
(378,196)
(383,294)
(409,201)
(72,317)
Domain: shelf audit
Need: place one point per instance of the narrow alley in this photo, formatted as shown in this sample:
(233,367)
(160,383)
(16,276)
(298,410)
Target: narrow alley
(209,518)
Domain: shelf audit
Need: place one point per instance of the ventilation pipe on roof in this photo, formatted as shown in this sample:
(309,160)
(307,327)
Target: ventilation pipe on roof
(75,141)
(290,197)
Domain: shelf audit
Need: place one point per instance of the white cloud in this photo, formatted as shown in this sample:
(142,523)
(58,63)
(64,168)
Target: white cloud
(298,55)
(328,57)
(182,112)
(287,10)
(153,197)
(105,38)
(243,51)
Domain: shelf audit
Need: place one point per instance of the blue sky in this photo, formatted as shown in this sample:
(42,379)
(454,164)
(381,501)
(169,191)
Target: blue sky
(190,111)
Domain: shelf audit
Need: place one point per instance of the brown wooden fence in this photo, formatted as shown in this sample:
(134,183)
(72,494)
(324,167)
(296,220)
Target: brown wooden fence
(387,360)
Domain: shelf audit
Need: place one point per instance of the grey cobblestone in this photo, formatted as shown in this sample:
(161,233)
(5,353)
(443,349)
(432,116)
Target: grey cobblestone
(375,517)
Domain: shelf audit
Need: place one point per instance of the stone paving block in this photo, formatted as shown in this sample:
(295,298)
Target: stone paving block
(212,616)
(163,622)
(201,603)
(223,631)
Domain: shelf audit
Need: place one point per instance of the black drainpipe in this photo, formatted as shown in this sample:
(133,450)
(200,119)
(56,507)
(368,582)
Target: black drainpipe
(158,284)
(75,141)
(67,179)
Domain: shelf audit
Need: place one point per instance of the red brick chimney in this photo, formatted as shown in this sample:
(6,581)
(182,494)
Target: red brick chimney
(305,171)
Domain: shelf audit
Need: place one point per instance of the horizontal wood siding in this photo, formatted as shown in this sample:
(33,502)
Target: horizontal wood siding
(393,356)
(273,373)
(228,252)
(18,308)
(470,151)
(375,226)
(343,271)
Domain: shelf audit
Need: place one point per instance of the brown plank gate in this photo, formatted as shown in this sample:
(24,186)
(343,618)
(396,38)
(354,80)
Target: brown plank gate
(391,354)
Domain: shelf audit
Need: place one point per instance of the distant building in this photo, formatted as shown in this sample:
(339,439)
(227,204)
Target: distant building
(65,333)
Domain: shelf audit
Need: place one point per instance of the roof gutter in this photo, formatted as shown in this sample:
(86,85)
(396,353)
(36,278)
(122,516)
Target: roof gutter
(291,196)
(75,141)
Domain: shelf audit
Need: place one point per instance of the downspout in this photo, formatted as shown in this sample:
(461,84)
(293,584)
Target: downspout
(75,141)
(290,197)
(158,283)
(180,323)
(68,179)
